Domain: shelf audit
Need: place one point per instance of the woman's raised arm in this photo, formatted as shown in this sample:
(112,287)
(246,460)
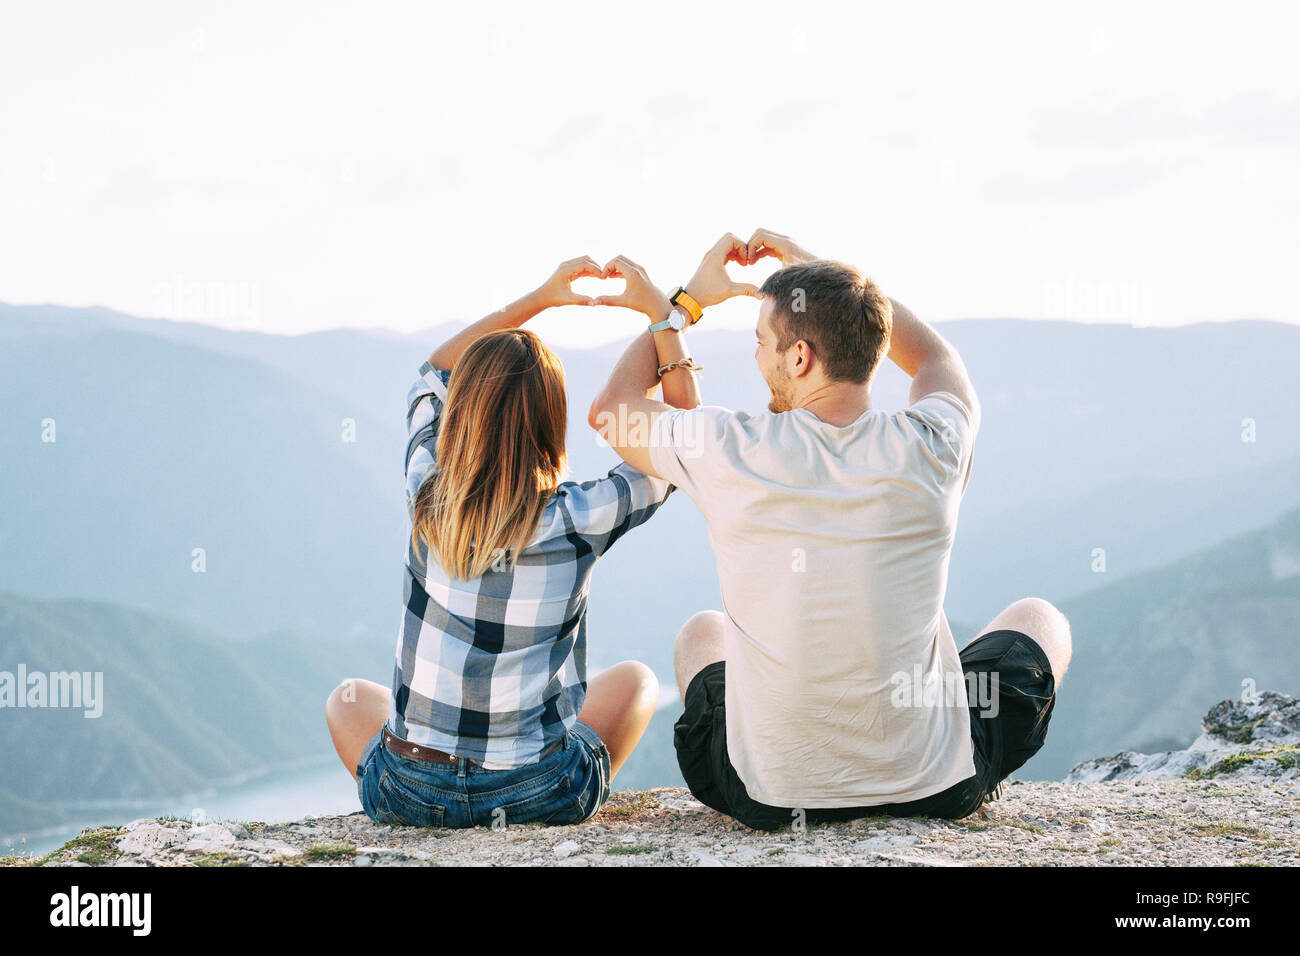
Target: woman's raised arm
(554,291)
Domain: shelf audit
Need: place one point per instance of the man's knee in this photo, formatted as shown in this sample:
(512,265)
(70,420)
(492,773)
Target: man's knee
(701,626)
(699,643)
(1048,627)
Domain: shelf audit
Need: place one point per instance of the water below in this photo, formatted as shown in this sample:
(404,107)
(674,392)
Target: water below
(274,798)
(320,788)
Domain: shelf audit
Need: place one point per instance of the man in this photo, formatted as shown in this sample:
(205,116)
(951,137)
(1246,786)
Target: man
(831,687)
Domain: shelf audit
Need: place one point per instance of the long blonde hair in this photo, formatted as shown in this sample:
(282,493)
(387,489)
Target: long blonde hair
(500,454)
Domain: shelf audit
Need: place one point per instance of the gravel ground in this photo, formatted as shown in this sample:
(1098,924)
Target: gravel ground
(1125,823)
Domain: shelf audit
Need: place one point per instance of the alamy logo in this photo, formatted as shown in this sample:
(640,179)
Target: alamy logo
(102,909)
(71,689)
(977,689)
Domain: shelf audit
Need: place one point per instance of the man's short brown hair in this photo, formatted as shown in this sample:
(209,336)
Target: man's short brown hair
(837,310)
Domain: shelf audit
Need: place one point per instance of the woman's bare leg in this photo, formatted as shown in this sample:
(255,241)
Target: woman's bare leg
(620,702)
(356,710)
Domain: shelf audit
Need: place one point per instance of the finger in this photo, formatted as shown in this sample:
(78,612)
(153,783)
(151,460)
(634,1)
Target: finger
(626,269)
(732,249)
(620,300)
(763,243)
(745,288)
(770,237)
(585,266)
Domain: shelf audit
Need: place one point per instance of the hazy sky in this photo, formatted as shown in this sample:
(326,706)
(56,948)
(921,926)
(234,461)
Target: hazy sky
(291,167)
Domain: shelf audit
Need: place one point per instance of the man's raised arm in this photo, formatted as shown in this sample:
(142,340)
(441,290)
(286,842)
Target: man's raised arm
(625,412)
(930,360)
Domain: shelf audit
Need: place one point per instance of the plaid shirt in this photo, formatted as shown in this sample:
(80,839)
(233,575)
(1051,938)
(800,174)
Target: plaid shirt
(495,668)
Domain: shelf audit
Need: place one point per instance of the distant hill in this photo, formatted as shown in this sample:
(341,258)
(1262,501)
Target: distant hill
(1138,524)
(183,707)
(1129,439)
(1150,649)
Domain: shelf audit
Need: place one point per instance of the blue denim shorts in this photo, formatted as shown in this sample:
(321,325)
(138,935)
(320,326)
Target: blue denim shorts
(568,785)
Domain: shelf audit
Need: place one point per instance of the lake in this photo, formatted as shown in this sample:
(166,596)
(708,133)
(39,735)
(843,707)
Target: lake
(322,788)
(274,798)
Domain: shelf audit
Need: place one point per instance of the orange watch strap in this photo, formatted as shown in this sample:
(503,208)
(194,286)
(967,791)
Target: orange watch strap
(685,300)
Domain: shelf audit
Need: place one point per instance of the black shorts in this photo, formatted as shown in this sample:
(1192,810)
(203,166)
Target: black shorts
(1001,743)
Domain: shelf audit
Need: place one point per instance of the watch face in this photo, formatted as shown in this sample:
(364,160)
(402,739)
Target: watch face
(676,320)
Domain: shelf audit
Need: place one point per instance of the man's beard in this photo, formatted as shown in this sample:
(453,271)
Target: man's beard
(781,400)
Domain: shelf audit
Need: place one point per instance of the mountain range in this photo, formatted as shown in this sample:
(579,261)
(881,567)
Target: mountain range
(210,493)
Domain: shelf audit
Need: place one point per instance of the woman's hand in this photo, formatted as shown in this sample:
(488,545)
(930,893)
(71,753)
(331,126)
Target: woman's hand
(554,291)
(639,293)
(558,289)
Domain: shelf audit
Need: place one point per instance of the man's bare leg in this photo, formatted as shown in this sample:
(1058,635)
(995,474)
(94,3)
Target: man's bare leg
(699,644)
(355,711)
(1045,624)
(619,704)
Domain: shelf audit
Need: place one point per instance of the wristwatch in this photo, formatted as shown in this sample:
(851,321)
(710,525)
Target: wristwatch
(684,300)
(675,321)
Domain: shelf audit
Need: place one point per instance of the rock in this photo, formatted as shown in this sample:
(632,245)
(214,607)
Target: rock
(212,838)
(145,838)
(1239,740)
(565,849)
(707,859)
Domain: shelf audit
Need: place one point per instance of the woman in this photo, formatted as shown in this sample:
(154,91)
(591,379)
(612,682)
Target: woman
(491,719)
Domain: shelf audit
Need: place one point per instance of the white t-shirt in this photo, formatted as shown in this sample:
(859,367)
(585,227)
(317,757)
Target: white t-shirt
(832,546)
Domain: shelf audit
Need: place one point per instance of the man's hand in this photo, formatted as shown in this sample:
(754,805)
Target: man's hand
(558,289)
(639,294)
(764,243)
(711,284)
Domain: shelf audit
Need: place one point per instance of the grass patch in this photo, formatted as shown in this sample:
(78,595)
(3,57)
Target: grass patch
(1022,825)
(1109,842)
(629,849)
(975,825)
(627,803)
(218,859)
(1287,757)
(1225,829)
(97,848)
(330,852)
(1238,733)
(775,850)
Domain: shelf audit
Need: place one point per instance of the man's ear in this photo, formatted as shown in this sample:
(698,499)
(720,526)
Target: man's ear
(800,361)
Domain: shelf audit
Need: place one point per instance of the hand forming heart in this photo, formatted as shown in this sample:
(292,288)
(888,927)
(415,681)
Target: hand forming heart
(558,289)
(710,285)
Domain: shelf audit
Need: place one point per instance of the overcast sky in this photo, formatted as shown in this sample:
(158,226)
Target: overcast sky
(291,167)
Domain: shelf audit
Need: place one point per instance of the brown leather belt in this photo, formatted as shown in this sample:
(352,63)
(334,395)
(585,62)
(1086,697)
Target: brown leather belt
(417,752)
